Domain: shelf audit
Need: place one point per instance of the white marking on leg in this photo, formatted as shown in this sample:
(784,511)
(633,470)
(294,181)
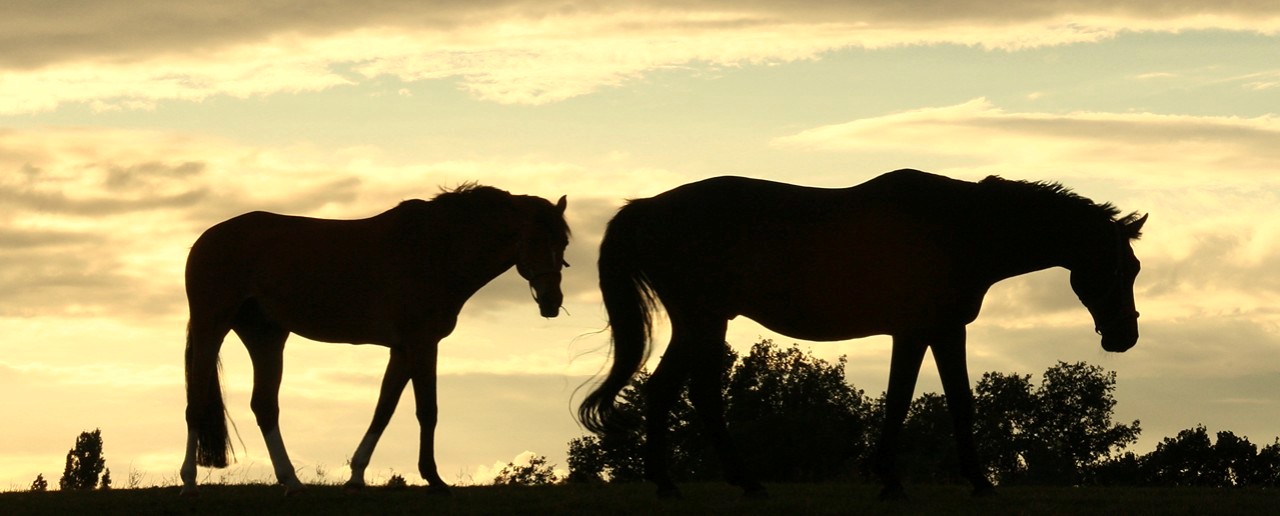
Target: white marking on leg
(280,460)
(188,471)
(360,461)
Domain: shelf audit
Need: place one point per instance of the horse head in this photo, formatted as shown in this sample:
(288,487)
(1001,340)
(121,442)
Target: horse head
(1104,283)
(541,255)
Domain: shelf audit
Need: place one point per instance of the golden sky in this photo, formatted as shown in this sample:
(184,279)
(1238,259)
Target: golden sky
(126,128)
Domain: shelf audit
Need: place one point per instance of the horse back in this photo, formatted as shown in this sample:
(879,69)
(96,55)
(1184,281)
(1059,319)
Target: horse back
(814,263)
(304,273)
(259,241)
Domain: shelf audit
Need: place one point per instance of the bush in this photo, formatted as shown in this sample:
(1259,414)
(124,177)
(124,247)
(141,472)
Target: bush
(39,485)
(536,473)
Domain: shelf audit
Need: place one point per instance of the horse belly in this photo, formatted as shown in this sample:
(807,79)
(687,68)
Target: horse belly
(823,315)
(839,296)
(331,320)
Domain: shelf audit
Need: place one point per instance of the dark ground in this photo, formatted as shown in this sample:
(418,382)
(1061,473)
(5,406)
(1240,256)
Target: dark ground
(617,500)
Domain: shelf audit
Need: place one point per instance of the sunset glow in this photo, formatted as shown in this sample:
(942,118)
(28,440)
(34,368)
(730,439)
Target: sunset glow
(127,128)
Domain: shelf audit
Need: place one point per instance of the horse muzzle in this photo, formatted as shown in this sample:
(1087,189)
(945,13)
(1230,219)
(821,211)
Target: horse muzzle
(1121,337)
(549,305)
(546,292)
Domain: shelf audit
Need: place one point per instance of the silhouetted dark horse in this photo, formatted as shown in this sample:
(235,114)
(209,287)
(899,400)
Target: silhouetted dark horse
(398,279)
(907,254)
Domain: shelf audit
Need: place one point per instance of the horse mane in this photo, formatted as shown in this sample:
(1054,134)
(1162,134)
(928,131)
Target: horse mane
(1053,193)
(468,196)
(475,200)
(471,192)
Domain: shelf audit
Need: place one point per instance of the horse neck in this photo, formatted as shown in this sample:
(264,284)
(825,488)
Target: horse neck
(1035,243)
(484,251)
(459,246)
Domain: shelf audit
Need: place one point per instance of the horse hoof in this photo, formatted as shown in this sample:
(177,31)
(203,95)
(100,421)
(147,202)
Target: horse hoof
(439,490)
(352,487)
(189,492)
(298,490)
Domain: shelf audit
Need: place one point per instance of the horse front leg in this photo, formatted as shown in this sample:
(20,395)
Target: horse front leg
(393,383)
(423,373)
(949,353)
(904,368)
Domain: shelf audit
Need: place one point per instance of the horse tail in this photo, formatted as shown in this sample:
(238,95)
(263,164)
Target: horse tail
(206,413)
(629,302)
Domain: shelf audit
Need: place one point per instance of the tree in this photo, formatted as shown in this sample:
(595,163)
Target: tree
(1192,459)
(39,485)
(1072,423)
(84,463)
(928,451)
(1052,434)
(1267,465)
(1003,406)
(586,460)
(1233,460)
(1127,469)
(1181,460)
(536,473)
(794,413)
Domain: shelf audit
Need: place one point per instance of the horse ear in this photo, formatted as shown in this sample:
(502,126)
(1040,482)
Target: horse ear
(564,203)
(1134,228)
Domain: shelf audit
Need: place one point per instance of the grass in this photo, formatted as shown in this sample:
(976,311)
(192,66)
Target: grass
(618,500)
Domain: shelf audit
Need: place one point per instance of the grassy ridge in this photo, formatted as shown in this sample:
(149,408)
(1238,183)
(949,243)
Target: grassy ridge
(243,500)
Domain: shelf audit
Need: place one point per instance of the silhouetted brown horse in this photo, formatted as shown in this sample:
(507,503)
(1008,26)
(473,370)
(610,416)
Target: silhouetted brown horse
(398,279)
(907,254)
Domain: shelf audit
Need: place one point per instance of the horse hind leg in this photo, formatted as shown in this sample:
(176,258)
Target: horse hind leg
(265,340)
(705,393)
(696,350)
(393,384)
(661,393)
(207,439)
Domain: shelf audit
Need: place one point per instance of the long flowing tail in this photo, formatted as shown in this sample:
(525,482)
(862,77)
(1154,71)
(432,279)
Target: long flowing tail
(205,410)
(629,301)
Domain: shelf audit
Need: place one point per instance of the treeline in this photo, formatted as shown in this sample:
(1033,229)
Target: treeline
(795,418)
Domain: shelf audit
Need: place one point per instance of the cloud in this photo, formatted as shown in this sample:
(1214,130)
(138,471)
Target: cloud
(29,239)
(90,214)
(131,55)
(486,474)
(1154,150)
